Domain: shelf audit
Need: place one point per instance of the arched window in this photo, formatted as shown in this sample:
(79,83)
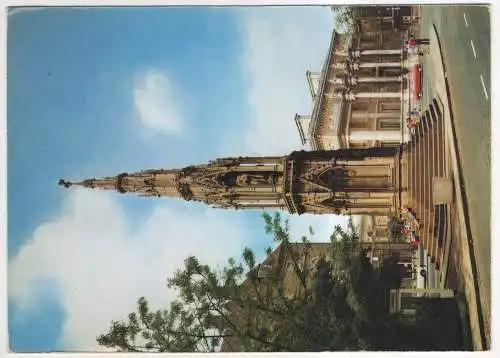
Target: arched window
(229,179)
(334,178)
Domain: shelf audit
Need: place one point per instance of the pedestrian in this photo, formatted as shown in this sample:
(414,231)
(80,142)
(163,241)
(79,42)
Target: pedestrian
(412,42)
(422,41)
(410,123)
(412,50)
(414,113)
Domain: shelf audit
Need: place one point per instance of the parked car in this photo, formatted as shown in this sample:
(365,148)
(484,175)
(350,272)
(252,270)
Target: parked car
(416,81)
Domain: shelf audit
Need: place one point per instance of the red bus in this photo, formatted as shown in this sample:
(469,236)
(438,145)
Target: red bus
(416,79)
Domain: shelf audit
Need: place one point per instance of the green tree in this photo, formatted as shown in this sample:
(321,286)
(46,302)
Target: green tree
(340,304)
(345,18)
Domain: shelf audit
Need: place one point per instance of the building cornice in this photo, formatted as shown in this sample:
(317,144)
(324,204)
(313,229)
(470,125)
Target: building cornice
(319,98)
(311,87)
(302,135)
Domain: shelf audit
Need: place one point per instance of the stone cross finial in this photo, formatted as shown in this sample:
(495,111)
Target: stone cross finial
(64,183)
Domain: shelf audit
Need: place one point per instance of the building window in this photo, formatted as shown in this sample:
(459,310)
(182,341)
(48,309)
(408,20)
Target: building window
(264,271)
(411,303)
(388,124)
(390,143)
(390,106)
(358,145)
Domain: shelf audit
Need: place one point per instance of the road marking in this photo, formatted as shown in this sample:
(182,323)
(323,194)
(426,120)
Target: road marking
(484,87)
(465,19)
(473,48)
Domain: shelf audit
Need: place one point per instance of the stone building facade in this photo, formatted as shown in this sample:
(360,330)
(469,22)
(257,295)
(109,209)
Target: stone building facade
(360,97)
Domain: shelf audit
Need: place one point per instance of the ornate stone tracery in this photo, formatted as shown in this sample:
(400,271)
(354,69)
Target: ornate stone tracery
(315,182)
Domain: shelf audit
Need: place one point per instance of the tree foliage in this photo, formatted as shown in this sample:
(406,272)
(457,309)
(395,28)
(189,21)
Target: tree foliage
(345,18)
(339,303)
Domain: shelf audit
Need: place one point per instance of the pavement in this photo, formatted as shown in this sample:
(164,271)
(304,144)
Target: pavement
(457,71)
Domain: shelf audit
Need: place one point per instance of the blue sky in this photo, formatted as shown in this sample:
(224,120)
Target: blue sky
(95,92)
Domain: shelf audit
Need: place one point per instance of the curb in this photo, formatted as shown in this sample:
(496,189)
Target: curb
(462,200)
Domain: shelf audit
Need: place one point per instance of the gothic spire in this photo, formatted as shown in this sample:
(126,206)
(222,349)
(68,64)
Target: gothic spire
(344,181)
(144,183)
(227,182)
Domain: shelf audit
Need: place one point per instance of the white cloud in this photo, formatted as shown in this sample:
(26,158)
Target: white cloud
(282,44)
(155,103)
(322,226)
(101,266)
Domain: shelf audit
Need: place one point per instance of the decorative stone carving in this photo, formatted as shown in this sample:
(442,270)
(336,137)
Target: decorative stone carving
(245,179)
(316,181)
(334,178)
(253,179)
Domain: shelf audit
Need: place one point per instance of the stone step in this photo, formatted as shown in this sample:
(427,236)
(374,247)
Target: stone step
(437,107)
(426,161)
(433,114)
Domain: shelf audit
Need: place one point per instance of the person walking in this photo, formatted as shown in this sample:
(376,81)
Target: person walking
(422,41)
(412,42)
(411,47)
(411,123)
(414,113)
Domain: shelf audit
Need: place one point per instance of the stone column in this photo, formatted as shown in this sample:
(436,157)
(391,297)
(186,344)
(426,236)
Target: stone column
(383,135)
(345,53)
(261,203)
(379,79)
(351,96)
(370,65)
(378,95)
(340,81)
(381,52)
(358,53)
(380,64)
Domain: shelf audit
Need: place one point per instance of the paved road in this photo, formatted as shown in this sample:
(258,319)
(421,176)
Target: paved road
(465,35)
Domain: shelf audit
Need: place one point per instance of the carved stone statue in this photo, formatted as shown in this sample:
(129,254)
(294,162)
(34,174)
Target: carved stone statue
(253,179)
(244,179)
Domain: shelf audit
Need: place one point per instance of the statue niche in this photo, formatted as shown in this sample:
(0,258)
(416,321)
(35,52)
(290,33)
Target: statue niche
(245,179)
(334,178)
